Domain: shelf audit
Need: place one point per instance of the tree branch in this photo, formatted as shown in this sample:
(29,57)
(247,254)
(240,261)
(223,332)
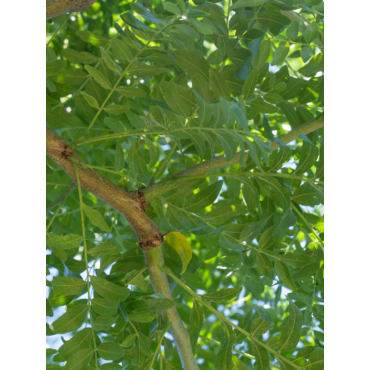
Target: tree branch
(131,205)
(132,208)
(156,190)
(58,7)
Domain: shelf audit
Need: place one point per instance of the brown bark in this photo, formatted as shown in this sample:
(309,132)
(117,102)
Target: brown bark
(131,205)
(58,7)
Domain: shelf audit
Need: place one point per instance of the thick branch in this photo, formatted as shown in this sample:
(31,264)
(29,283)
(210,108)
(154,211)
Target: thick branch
(155,262)
(58,7)
(127,204)
(131,208)
(156,190)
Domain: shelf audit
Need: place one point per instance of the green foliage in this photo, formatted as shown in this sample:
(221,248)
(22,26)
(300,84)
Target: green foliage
(145,90)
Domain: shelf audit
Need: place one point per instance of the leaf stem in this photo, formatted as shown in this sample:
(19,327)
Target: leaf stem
(106,170)
(159,345)
(66,194)
(56,32)
(224,319)
(307,224)
(136,275)
(162,165)
(86,261)
(235,350)
(239,174)
(120,78)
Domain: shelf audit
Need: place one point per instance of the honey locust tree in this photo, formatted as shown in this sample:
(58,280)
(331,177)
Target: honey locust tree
(185,184)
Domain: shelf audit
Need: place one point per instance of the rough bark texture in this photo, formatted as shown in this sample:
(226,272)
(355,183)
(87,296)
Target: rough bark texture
(130,204)
(58,7)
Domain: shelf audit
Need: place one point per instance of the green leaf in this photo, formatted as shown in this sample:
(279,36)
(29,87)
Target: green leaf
(297,259)
(290,114)
(79,360)
(268,238)
(67,285)
(315,65)
(316,360)
(218,84)
(143,70)
(53,68)
(284,275)
(273,20)
(280,53)
(223,360)
(222,213)
(114,125)
(306,53)
(129,340)
(230,243)
(273,98)
(63,242)
(247,3)
(93,39)
(172,8)
(82,57)
(204,198)
(90,100)
(119,158)
(149,17)
(311,32)
(308,155)
(263,54)
(104,322)
(150,305)
(262,357)
(109,62)
(121,50)
(250,232)
(279,194)
(130,19)
(116,109)
(196,324)
(71,320)
(250,83)
(96,218)
(200,85)
(262,107)
(283,155)
(131,92)
(110,351)
(143,344)
(79,341)
(104,306)
(143,317)
(98,77)
(109,290)
(179,244)
(49,84)
(251,197)
(264,265)
(260,326)
(192,63)
(49,310)
(291,332)
(292,30)
(180,99)
(307,195)
(222,295)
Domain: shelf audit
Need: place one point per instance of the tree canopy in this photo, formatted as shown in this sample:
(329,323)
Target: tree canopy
(185,169)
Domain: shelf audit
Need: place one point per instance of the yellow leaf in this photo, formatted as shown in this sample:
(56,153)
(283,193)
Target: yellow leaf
(178,243)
